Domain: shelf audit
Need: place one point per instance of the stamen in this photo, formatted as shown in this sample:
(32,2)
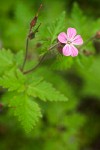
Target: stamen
(68,42)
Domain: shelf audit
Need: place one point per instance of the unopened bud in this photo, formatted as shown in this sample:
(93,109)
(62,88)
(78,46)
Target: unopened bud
(1,106)
(87,53)
(60,47)
(98,35)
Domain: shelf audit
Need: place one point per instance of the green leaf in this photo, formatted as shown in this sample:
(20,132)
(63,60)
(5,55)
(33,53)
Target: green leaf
(92,79)
(48,33)
(19,57)
(56,27)
(13,80)
(81,22)
(25,108)
(45,91)
(62,62)
(6,60)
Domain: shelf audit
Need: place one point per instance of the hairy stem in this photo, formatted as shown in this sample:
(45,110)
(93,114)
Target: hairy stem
(26,52)
(53,46)
(86,42)
(35,67)
(41,60)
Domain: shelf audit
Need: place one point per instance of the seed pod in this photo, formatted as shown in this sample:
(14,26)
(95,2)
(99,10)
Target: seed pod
(34,20)
(32,34)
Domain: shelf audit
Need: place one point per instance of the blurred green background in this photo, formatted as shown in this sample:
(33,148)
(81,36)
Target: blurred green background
(72,125)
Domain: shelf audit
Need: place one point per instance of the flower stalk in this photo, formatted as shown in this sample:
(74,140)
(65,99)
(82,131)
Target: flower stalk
(41,60)
(31,35)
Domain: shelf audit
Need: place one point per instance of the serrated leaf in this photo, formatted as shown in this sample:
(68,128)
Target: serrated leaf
(25,108)
(81,22)
(19,57)
(34,80)
(56,27)
(92,79)
(45,91)
(6,60)
(13,80)
(62,63)
(51,31)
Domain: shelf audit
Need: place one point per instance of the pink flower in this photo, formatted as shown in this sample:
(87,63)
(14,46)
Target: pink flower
(70,39)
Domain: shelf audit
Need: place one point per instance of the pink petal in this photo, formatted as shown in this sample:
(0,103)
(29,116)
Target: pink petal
(67,50)
(77,40)
(74,51)
(71,32)
(62,37)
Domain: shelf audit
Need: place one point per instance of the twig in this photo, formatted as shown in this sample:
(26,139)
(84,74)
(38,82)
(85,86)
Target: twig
(31,35)
(41,60)
(53,46)
(86,42)
(34,68)
(26,52)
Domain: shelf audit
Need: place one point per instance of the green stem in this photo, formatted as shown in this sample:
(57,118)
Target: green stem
(25,58)
(86,42)
(53,46)
(34,68)
(41,60)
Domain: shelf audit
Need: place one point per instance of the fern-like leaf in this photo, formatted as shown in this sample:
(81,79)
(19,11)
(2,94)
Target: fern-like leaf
(6,60)
(45,91)
(13,80)
(25,108)
(56,27)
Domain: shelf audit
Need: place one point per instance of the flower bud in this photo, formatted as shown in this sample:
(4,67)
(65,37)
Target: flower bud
(60,47)
(97,35)
(87,53)
(1,106)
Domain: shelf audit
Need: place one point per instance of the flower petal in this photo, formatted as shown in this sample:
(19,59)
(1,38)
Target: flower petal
(67,50)
(71,32)
(62,37)
(74,51)
(77,40)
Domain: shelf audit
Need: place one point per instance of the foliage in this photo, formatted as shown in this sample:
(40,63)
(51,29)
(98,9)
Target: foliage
(15,81)
(62,125)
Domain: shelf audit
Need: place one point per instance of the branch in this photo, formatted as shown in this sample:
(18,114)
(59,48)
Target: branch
(31,35)
(86,42)
(34,68)
(41,60)
(25,58)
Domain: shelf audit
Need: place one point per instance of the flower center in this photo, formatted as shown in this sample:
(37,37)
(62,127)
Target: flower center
(68,42)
